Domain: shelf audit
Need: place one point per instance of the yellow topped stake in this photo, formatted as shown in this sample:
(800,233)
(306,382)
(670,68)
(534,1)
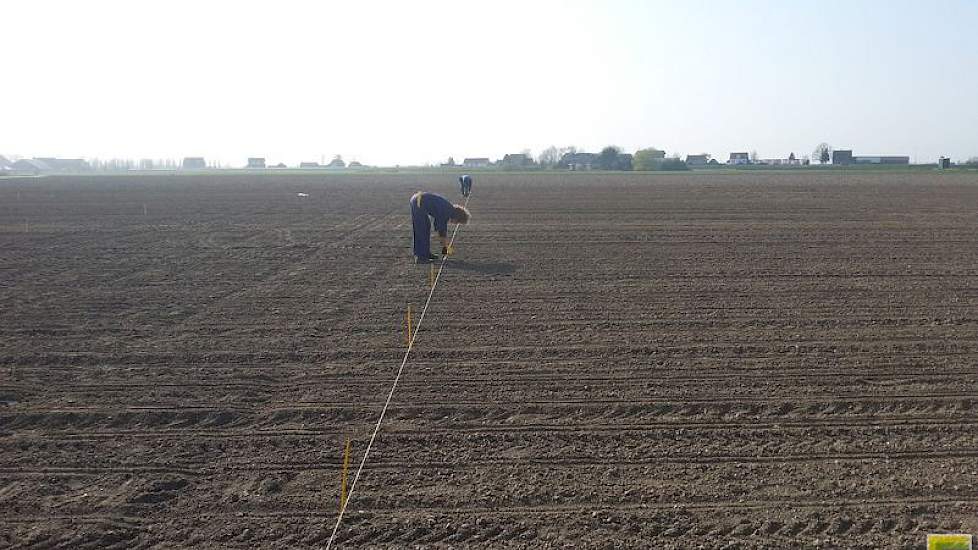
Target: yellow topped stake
(346,470)
(949,542)
(407,339)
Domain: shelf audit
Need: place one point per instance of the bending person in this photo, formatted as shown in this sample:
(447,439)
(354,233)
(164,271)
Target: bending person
(428,208)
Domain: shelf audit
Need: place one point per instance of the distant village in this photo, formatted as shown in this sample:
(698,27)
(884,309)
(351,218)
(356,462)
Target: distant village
(569,158)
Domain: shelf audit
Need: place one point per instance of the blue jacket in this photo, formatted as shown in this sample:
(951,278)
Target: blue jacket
(439,208)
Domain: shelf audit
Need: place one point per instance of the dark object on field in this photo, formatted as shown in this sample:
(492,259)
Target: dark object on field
(465,184)
(943,163)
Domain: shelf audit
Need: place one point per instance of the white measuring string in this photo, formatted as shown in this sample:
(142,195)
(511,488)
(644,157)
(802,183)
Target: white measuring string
(397,379)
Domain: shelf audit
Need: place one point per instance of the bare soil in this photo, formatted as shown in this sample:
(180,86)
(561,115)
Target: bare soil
(751,360)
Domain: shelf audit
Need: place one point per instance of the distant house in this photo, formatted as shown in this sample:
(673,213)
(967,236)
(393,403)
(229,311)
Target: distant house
(337,162)
(193,163)
(256,162)
(476,162)
(739,158)
(516,160)
(579,161)
(697,160)
(280,165)
(309,165)
(354,164)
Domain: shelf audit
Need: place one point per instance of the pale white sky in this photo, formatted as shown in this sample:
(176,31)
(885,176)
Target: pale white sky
(412,82)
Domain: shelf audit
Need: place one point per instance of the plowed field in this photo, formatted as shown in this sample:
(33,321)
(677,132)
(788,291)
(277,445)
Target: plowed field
(751,360)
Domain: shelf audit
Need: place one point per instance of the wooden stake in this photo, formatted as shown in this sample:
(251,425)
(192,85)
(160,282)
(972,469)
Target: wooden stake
(408,333)
(346,470)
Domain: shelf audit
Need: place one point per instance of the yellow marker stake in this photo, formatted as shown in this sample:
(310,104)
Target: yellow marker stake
(408,339)
(346,469)
(949,542)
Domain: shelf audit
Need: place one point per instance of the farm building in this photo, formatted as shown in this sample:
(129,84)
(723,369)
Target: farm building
(337,162)
(842,156)
(256,162)
(5,165)
(476,162)
(355,164)
(516,160)
(697,160)
(31,166)
(65,165)
(49,164)
(309,165)
(845,157)
(881,159)
(739,158)
(578,161)
(790,161)
(193,163)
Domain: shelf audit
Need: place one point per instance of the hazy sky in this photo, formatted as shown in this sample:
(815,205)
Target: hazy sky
(411,82)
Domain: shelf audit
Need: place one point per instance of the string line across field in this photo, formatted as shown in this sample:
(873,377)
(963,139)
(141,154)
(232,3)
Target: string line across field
(413,335)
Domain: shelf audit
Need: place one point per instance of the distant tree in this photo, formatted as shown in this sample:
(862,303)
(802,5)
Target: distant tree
(647,159)
(973,161)
(451,161)
(753,157)
(608,158)
(673,163)
(549,157)
(823,153)
(791,156)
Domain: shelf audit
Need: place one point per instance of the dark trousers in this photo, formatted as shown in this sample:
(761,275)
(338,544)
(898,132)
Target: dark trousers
(422,229)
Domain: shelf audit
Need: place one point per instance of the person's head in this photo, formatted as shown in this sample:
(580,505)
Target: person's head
(460,214)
